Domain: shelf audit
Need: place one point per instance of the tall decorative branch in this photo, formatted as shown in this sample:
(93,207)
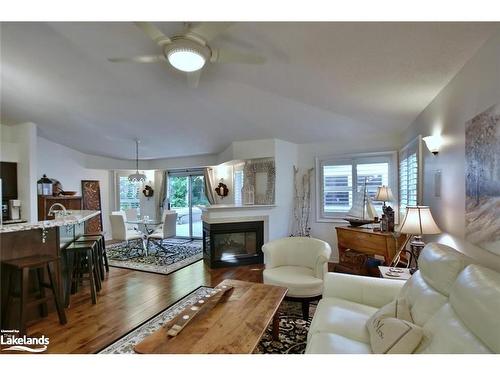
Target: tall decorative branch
(302,203)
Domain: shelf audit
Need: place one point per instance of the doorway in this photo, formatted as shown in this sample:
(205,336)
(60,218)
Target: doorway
(186,194)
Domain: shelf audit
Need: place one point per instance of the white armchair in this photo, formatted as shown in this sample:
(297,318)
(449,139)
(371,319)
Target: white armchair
(298,264)
(166,230)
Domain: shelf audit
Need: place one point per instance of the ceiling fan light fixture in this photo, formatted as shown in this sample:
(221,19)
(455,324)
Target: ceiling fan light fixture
(186,59)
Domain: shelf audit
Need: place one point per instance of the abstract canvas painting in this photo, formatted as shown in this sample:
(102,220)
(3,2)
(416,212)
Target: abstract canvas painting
(482,179)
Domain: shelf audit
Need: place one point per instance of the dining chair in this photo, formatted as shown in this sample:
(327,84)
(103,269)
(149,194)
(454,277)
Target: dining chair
(126,218)
(166,230)
(120,232)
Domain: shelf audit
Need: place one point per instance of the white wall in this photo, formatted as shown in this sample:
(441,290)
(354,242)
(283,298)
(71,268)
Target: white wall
(475,88)
(285,158)
(68,166)
(180,163)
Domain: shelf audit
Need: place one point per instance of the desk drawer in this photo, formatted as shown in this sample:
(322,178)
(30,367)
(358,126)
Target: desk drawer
(365,242)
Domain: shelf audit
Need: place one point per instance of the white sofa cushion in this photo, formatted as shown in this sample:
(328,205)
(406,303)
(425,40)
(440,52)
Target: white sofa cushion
(440,265)
(343,318)
(300,281)
(423,299)
(445,333)
(327,343)
(428,289)
(475,297)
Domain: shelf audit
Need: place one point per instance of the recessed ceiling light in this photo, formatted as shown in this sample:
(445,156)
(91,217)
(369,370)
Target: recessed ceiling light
(186,59)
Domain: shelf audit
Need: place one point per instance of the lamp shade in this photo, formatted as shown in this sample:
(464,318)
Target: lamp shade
(384,194)
(418,220)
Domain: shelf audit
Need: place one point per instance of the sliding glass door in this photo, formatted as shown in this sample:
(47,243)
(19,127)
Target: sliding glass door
(186,195)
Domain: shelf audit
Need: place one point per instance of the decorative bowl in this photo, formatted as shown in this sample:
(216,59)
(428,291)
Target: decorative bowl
(68,192)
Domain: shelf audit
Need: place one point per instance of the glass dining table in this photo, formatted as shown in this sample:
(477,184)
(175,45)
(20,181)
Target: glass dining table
(149,225)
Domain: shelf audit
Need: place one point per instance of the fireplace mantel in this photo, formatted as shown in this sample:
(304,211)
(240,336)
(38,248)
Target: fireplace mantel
(224,207)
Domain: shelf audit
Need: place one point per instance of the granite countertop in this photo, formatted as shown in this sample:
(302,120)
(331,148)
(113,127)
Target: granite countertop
(73,217)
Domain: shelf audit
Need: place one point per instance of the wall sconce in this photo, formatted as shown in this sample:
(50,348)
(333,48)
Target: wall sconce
(433,143)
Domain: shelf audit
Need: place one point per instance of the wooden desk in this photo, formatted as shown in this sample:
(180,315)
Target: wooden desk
(383,245)
(234,326)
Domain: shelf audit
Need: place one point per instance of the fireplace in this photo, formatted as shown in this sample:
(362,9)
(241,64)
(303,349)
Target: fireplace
(233,244)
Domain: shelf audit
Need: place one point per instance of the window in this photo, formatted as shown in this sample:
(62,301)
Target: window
(238,185)
(340,180)
(409,175)
(129,194)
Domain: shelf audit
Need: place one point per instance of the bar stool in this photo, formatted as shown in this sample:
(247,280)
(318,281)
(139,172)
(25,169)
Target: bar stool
(103,247)
(102,258)
(23,266)
(81,259)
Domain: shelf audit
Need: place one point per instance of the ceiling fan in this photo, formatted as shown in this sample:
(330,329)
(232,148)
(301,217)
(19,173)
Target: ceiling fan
(190,50)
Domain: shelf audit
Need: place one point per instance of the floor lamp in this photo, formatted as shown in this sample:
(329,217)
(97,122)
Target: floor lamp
(417,221)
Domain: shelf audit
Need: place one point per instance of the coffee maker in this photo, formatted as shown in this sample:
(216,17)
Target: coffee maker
(14,209)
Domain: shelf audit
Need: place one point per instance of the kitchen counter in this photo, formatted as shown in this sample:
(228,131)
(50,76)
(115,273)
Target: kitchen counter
(47,237)
(73,217)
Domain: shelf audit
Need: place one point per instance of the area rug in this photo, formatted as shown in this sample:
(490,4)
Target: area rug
(292,337)
(184,253)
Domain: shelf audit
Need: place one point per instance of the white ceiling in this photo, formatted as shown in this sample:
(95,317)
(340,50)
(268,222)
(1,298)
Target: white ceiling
(321,81)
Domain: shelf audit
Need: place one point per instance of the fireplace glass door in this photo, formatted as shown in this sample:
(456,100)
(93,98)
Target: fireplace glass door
(235,245)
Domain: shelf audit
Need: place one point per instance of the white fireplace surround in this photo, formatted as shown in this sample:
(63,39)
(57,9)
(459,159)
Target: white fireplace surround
(230,213)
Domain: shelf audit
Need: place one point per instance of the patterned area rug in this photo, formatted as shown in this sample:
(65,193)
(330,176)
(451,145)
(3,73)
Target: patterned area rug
(181,253)
(292,338)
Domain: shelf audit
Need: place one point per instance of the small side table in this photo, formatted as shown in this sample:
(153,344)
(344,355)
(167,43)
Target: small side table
(405,275)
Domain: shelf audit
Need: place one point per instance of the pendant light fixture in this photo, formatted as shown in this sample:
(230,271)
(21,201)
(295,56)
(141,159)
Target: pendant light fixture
(137,177)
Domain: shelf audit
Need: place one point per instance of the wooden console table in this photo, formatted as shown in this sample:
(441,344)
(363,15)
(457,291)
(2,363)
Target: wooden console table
(363,241)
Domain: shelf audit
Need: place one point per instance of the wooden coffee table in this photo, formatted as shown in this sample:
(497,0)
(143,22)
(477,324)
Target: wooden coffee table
(235,325)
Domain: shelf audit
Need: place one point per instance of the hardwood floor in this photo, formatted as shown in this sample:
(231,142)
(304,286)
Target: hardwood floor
(127,299)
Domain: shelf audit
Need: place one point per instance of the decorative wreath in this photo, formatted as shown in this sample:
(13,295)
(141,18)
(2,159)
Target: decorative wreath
(148,191)
(222,190)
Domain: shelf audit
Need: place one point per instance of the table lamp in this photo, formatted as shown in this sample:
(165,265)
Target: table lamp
(418,221)
(384,194)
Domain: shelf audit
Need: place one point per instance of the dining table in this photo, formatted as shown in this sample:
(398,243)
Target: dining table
(149,224)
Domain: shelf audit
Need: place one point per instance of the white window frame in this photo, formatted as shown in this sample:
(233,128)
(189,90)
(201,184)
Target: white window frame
(360,158)
(415,143)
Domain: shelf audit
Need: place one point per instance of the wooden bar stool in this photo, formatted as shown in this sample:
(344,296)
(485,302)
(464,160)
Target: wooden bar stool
(23,266)
(80,262)
(103,247)
(102,259)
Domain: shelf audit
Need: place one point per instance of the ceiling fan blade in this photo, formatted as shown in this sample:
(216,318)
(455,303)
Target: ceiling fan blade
(140,59)
(193,78)
(209,30)
(154,33)
(231,56)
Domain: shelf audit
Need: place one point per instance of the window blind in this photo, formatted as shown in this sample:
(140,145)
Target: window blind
(341,180)
(409,175)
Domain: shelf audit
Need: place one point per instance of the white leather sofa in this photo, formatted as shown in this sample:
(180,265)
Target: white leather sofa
(455,302)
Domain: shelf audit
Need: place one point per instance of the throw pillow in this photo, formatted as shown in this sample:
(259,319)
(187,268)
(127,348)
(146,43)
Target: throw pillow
(394,336)
(399,308)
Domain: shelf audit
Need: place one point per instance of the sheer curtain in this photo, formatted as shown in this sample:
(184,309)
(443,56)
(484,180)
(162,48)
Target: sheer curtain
(209,185)
(163,199)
